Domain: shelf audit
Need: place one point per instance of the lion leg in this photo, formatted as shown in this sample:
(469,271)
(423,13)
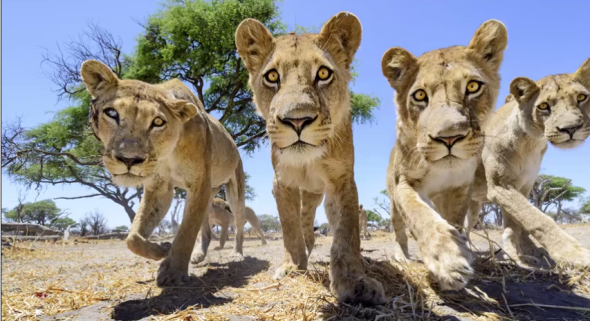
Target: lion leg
(347,273)
(444,249)
(289,206)
(518,245)
(255,223)
(200,252)
(309,204)
(236,189)
(174,269)
(223,236)
(400,245)
(559,245)
(153,207)
(472,217)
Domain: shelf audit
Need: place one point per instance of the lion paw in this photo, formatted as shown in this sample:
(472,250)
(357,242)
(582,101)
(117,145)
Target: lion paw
(577,256)
(168,275)
(236,256)
(198,257)
(448,258)
(284,270)
(399,255)
(364,290)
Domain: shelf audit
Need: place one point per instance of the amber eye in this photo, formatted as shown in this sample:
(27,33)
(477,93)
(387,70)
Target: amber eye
(272,76)
(158,122)
(419,95)
(324,73)
(582,97)
(543,106)
(473,86)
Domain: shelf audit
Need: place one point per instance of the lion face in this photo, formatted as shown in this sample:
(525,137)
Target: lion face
(557,105)
(300,83)
(136,122)
(444,96)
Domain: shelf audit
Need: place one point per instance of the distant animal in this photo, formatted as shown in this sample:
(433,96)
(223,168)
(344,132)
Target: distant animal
(220,214)
(363,221)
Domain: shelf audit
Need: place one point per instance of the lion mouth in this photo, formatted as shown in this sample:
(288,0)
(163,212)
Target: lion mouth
(300,145)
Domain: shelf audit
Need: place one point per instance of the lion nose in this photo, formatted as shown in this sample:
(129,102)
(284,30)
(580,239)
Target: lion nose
(449,141)
(130,162)
(297,123)
(569,130)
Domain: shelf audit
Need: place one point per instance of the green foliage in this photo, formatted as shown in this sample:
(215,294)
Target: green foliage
(372,216)
(585,208)
(269,223)
(385,222)
(63,223)
(121,229)
(43,212)
(571,192)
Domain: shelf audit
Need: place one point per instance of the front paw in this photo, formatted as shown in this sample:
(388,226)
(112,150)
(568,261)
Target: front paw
(236,256)
(284,270)
(198,257)
(169,275)
(576,255)
(448,258)
(363,289)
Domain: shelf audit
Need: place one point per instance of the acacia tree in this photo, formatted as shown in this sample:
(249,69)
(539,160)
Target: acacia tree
(549,192)
(192,40)
(43,212)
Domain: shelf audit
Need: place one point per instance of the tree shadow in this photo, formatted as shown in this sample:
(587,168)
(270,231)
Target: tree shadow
(201,291)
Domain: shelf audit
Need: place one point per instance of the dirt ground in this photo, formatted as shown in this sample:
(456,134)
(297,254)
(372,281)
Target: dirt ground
(103,280)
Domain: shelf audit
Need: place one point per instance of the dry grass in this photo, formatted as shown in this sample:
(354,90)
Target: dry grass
(33,283)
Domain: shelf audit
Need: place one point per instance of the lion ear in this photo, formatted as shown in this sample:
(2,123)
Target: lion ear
(522,89)
(398,66)
(341,37)
(97,77)
(583,74)
(489,42)
(184,109)
(254,42)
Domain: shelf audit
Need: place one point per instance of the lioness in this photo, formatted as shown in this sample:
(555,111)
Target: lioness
(443,98)
(300,85)
(220,214)
(363,221)
(160,136)
(555,109)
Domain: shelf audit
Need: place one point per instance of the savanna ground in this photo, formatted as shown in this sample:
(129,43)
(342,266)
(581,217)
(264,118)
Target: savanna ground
(103,280)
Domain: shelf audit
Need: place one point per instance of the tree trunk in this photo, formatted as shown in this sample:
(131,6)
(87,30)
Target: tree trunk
(130,212)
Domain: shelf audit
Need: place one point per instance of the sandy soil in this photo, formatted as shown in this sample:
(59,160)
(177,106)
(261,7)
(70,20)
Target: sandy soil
(223,284)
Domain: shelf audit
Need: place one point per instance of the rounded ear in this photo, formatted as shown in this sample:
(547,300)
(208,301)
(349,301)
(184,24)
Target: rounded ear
(522,89)
(583,74)
(341,37)
(184,109)
(398,66)
(254,42)
(97,76)
(489,42)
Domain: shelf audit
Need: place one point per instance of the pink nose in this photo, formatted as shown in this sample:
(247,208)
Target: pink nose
(297,123)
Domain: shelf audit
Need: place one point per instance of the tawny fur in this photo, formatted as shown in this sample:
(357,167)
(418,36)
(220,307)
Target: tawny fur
(220,214)
(309,125)
(438,146)
(515,143)
(363,222)
(192,150)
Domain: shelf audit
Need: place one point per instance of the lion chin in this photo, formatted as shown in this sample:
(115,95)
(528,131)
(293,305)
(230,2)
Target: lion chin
(300,153)
(128,179)
(568,144)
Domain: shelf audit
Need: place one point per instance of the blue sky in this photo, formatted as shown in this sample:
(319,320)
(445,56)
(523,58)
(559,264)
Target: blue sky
(545,38)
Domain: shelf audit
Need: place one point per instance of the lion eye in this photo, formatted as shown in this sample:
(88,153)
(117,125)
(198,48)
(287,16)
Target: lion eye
(158,122)
(272,76)
(324,73)
(582,97)
(111,112)
(419,95)
(543,106)
(473,87)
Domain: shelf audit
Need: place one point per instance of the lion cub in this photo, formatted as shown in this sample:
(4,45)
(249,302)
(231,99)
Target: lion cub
(160,136)
(554,109)
(443,98)
(300,85)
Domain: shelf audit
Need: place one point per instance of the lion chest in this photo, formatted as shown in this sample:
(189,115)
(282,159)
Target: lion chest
(438,180)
